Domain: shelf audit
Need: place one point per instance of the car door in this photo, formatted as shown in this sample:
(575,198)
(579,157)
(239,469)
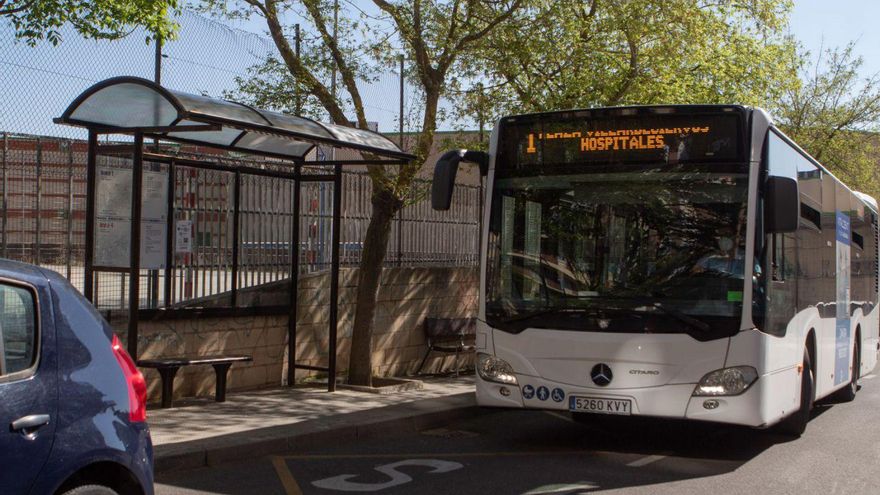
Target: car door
(28,383)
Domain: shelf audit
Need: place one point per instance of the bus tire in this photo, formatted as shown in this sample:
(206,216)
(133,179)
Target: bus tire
(796,423)
(848,393)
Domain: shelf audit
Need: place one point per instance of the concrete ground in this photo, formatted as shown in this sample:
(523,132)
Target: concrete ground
(203,432)
(534,453)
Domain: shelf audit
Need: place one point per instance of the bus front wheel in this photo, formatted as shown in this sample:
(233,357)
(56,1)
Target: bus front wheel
(795,424)
(848,393)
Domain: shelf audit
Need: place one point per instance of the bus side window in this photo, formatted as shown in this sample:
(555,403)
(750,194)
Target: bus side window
(777,253)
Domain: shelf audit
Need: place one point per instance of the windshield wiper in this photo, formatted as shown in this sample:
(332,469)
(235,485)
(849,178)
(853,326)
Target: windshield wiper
(542,312)
(678,315)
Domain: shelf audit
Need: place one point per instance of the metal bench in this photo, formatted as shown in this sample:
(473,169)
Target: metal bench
(449,335)
(167,368)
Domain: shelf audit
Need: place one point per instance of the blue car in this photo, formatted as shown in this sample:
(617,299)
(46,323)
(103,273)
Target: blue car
(72,402)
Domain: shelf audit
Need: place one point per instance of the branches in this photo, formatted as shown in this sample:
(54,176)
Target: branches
(834,115)
(13,9)
(632,71)
(491,24)
(296,67)
(345,69)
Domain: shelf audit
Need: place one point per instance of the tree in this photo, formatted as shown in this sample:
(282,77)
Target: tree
(435,35)
(595,53)
(35,20)
(835,116)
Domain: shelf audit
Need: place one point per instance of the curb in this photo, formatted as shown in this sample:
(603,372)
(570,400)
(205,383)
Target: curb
(409,417)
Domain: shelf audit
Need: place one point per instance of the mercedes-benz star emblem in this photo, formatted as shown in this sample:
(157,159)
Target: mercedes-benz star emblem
(601,374)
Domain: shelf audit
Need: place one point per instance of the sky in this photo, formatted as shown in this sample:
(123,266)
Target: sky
(829,23)
(36,84)
(816,23)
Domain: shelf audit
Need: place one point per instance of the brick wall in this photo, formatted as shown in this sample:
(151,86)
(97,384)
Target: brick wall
(406,297)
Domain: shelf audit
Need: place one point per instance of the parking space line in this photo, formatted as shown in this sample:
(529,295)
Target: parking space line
(319,457)
(644,461)
(291,487)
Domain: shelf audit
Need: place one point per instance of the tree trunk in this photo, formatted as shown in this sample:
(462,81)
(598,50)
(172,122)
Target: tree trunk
(385,206)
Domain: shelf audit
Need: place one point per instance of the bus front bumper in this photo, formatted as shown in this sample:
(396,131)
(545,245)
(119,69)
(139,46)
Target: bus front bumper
(666,401)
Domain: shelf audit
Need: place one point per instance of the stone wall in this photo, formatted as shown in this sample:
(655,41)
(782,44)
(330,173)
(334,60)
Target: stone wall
(406,297)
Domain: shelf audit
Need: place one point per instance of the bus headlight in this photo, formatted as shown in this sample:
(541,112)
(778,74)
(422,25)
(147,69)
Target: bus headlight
(727,381)
(494,369)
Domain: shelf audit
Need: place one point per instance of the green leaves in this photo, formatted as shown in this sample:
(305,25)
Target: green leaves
(835,116)
(559,54)
(37,20)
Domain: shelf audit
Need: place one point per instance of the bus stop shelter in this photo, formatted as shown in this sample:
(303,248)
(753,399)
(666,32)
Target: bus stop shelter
(287,146)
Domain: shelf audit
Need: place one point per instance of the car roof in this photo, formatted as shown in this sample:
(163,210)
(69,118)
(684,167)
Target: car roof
(25,272)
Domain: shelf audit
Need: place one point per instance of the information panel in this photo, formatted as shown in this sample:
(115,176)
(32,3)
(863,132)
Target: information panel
(154,220)
(183,237)
(113,218)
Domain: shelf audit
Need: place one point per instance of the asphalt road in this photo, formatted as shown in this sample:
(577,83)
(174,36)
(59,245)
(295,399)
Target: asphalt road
(533,452)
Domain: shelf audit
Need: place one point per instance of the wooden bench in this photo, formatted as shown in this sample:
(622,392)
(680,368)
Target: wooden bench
(449,335)
(167,368)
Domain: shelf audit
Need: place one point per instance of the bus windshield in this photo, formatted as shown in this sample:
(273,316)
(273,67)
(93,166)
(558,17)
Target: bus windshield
(647,248)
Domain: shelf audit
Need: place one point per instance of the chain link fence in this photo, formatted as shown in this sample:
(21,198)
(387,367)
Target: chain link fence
(207,58)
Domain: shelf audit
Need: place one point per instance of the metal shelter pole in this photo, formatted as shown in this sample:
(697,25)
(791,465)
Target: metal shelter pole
(169,233)
(236,195)
(137,178)
(91,173)
(334,276)
(294,281)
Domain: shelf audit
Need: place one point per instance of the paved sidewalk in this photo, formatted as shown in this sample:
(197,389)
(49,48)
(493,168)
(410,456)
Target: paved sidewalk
(204,432)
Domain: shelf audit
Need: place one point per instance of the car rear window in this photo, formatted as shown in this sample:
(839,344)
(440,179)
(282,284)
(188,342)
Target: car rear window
(18,330)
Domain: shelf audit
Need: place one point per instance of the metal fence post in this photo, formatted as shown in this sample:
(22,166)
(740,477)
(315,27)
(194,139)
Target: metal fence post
(69,240)
(297,95)
(134,279)
(400,237)
(401,102)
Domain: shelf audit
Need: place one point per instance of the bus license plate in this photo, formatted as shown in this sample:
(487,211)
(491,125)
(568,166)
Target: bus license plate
(599,405)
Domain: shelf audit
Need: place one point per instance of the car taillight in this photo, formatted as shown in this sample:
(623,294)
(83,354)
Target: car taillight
(137,386)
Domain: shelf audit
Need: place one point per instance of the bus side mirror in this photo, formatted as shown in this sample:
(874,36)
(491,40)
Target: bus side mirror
(445,171)
(781,205)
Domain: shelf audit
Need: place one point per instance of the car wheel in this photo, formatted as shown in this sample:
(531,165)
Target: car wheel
(848,393)
(795,424)
(91,490)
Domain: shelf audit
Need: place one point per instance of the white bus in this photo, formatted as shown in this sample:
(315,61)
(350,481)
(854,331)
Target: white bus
(670,261)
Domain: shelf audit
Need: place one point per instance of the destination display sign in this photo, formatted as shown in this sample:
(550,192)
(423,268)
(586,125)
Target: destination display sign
(663,139)
(617,139)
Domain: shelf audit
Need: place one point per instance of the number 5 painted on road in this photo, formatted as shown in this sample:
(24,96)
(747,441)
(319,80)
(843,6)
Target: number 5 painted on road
(341,482)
